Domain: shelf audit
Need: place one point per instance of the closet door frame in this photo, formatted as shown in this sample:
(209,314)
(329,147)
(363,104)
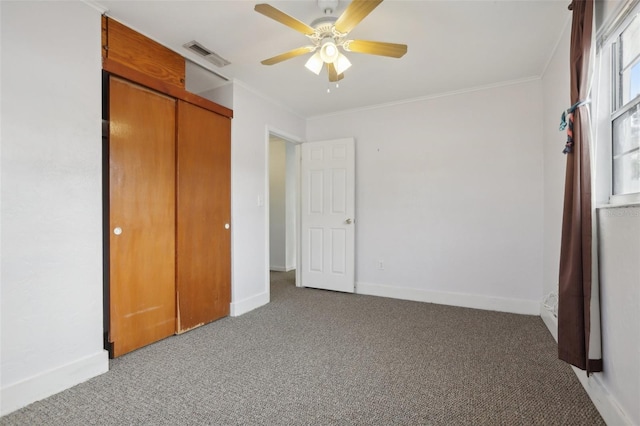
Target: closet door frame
(113,68)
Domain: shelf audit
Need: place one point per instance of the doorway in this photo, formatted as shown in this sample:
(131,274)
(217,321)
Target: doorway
(283,207)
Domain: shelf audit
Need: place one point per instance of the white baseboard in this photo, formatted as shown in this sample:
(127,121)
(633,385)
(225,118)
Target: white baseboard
(277,268)
(489,303)
(248,304)
(282,268)
(604,402)
(550,321)
(50,382)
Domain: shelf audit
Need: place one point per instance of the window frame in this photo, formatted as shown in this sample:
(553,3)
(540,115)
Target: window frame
(612,40)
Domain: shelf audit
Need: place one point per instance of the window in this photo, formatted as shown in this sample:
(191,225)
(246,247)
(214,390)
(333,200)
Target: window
(625,117)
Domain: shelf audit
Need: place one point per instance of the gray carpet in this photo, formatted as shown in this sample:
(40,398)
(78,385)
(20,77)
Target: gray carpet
(314,357)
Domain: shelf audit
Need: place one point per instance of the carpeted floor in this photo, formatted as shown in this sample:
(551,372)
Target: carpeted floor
(313,357)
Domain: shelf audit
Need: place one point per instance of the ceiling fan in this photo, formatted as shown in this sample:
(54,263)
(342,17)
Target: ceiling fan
(328,35)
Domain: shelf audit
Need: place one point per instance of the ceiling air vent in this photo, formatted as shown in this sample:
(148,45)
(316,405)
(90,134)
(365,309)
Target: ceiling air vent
(207,54)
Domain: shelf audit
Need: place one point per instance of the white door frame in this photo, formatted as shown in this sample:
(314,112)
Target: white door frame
(298,179)
(272,131)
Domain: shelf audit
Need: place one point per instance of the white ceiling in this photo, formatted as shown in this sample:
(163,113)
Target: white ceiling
(453,46)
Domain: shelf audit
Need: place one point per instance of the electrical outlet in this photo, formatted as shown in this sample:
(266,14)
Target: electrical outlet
(380,265)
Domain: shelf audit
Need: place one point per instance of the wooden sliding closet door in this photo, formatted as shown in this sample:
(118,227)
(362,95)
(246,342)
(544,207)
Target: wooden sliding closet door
(203,216)
(142,216)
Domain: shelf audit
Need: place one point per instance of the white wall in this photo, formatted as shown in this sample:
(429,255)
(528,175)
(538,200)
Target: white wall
(51,281)
(616,390)
(282,204)
(619,250)
(555,92)
(620,299)
(277,204)
(222,95)
(449,197)
(291,190)
(51,198)
(254,118)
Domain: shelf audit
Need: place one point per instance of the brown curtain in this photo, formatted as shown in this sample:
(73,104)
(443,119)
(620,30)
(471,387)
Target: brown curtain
(576,289)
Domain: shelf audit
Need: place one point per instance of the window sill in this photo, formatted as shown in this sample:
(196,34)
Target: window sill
(618,205)
(627,200)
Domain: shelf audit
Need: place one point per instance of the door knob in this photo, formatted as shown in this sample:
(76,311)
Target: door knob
(348,221)
(117,230)
(226,226)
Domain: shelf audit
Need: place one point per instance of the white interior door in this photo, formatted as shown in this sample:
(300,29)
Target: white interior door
(327,215)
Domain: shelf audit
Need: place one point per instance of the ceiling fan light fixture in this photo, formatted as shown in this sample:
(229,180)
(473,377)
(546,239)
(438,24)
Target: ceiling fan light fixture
(329,51)
(315,63)
(328,35)
(342,63)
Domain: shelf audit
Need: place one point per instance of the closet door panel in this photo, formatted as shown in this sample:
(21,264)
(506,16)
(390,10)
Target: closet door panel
(203,213)
(141,215)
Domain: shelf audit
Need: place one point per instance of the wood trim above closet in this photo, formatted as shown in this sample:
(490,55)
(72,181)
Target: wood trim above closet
(122,44)
(135,57)
(116,68)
